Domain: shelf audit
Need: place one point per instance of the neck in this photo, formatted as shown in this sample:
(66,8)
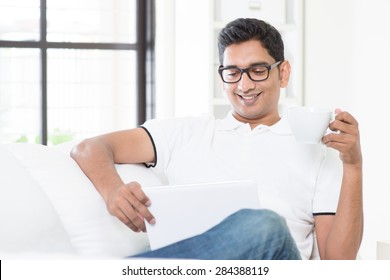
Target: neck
(254,122)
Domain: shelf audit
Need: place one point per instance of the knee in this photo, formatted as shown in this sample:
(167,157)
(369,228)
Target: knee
(255,215)
(261,221)
(259,234)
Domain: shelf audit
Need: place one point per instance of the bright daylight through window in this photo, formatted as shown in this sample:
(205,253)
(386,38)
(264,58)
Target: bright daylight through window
(68,69)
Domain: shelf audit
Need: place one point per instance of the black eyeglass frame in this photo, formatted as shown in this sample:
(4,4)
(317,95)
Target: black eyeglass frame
(246,70)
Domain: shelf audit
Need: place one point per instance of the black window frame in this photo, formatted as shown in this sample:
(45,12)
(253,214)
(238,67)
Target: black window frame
(144,46)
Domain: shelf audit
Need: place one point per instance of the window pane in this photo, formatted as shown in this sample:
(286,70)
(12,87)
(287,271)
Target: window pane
(90,92)
(99,21)
(19,95)
(19,20)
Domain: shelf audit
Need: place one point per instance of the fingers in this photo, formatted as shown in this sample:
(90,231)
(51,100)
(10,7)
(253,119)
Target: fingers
(129,217)
(130,205)
(347,139)
(140,202)
(344,123)
(338,140)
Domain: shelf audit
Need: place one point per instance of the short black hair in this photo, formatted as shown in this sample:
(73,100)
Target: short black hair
(245,29)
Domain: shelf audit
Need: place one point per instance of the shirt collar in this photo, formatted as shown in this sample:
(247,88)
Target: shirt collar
(231,123)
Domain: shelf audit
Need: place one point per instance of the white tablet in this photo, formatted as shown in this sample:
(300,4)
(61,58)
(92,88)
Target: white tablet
(183,211)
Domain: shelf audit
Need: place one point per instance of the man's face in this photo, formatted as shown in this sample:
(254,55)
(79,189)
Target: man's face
(254,102)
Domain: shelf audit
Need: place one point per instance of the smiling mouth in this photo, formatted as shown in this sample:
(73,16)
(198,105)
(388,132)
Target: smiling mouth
(249,97)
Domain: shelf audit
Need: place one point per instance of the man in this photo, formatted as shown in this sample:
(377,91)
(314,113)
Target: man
(317,189)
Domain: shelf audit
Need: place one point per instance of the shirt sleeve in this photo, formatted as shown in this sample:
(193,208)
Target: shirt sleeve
(169,136)
(156,130)
(328,184)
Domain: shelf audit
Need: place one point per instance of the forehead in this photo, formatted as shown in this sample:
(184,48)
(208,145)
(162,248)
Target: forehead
(246,53)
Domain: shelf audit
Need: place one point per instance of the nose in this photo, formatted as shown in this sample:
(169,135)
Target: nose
(246,84)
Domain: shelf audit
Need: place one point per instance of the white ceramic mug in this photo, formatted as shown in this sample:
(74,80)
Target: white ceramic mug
(309,124)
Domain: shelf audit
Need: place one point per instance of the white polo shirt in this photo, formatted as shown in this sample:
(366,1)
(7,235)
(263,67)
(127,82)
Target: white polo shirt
(295,180)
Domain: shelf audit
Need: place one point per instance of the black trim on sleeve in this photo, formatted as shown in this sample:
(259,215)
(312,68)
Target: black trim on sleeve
(324,213)
(148,165)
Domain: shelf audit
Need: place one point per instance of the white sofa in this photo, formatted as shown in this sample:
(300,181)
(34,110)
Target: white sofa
(49,208)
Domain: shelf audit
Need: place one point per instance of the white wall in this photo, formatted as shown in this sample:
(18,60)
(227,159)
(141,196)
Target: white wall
(182,57)
(346,65)
(165,58)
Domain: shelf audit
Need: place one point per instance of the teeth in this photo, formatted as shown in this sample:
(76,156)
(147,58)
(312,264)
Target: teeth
(250,97)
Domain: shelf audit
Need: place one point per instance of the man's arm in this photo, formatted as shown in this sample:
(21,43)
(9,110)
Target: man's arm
(339,236)
(96,158)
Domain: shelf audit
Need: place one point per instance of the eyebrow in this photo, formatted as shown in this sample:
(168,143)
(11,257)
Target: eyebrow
(250,65)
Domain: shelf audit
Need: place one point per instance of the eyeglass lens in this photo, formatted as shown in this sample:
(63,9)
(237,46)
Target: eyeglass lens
(255,73)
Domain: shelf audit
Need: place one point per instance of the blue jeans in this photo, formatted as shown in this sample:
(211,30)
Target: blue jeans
(245,235)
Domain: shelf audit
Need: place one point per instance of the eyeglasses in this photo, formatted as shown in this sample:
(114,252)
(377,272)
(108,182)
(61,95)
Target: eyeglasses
(257,73)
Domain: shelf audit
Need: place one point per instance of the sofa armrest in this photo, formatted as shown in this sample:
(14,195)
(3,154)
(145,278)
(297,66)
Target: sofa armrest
(29,222)
(92,230)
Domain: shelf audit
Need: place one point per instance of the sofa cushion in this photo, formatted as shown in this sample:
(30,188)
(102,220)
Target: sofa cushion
(29,222)
(92,230)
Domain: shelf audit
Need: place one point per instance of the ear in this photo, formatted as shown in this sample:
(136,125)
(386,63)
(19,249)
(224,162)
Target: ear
(284,73)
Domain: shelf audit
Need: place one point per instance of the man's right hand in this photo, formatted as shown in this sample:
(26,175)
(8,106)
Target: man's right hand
(97,157)
(130,205)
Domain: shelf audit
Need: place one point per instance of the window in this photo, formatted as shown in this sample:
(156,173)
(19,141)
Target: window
(73,69)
